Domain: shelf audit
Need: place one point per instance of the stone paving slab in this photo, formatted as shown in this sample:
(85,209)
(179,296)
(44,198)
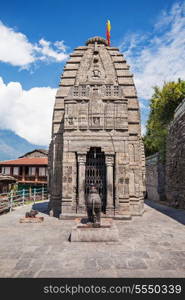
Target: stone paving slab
(150,246)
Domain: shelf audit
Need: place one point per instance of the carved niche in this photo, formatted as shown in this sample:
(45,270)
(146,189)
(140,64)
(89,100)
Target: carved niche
(83,114)
(120,115)
(109,115)
(70,115)
(67,181)
(133,152)
(96,71)
(96,114)
(123,177)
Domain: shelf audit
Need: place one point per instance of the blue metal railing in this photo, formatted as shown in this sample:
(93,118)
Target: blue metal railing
(21,197)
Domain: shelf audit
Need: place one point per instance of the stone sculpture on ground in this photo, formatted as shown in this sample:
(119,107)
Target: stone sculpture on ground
(94,206)
(31,214)
(31,217)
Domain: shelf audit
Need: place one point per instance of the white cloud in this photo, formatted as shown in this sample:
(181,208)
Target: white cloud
(158,56)
(143,129)
(48,52)
(16,49)
(28,113)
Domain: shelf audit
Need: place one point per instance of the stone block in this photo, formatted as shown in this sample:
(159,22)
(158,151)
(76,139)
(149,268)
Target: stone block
(118,59)
(107,232)
(125,80)
(121,66)
(73,66)
(67,81)
(31,220)
(133,116)
(75,59)
(133,103)
(129,91)
(63,91)
(123,73)
(134,128)
(69,73)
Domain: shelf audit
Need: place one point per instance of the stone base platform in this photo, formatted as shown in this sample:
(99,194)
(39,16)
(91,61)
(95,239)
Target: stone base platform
(71,216)
(31,220)
(87,232)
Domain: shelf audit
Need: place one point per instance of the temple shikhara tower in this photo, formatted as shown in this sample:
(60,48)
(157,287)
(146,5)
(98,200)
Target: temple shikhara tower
(96,135)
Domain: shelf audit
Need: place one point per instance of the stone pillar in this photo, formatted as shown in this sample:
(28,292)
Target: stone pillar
(109,160)
(81,182)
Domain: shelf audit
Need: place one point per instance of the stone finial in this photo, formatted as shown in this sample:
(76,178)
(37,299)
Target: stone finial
(98,40)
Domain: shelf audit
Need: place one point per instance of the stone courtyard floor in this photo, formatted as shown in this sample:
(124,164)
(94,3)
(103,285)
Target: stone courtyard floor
(150,246)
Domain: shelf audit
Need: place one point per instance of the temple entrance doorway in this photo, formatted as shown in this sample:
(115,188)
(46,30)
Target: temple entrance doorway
(95,173)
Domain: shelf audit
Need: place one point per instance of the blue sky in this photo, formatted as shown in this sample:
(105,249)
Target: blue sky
(37,36)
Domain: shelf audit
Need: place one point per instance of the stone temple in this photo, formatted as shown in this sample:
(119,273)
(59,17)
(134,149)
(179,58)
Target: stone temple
(96,135)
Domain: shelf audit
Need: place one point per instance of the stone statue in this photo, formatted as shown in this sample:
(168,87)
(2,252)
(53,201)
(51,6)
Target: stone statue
(31,214)
(94,206)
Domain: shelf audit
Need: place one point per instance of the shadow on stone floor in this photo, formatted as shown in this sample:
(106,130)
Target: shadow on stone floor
(41,207)
(176,214)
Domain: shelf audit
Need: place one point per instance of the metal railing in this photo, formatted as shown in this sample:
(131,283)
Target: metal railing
(21,197)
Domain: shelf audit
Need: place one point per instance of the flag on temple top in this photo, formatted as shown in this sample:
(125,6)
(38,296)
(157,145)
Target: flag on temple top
(108,29)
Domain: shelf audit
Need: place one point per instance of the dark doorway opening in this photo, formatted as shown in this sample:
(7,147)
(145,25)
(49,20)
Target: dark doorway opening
(95,173)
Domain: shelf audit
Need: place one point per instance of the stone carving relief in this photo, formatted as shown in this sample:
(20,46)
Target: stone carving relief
(96,114)
(82,158)
(80,91)
(109,160)
(120,110)
(132,183)
(83,115)
(121,158)
(109,115)
(70,116)
(67,181)
(85,108)
(133,152)
(96,73)
(96,70)
(123,181)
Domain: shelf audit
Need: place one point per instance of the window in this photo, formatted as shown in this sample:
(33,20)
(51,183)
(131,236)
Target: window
(20,171)
(16,171)
(116,91)
(7,170)
(75,91)
(42,171)
(32,171)
(108,90)
(83,90)
(26,170)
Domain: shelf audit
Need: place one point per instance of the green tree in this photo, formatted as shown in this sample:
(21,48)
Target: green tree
(163,103)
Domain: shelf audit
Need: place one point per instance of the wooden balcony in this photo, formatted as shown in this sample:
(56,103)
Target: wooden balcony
(31,179)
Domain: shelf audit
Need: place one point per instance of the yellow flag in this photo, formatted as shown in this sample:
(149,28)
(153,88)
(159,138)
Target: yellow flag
(108,26)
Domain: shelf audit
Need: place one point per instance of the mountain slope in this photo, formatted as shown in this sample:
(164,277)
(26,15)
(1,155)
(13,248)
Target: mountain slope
(13,146)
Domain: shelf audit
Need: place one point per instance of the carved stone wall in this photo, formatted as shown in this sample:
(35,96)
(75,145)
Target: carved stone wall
(155,178)
(96,107)
(175,158)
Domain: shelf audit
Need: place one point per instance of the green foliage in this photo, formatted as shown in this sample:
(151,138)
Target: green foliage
(162,106)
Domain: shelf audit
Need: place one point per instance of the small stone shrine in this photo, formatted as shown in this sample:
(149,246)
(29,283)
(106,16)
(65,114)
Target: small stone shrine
(96,135)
